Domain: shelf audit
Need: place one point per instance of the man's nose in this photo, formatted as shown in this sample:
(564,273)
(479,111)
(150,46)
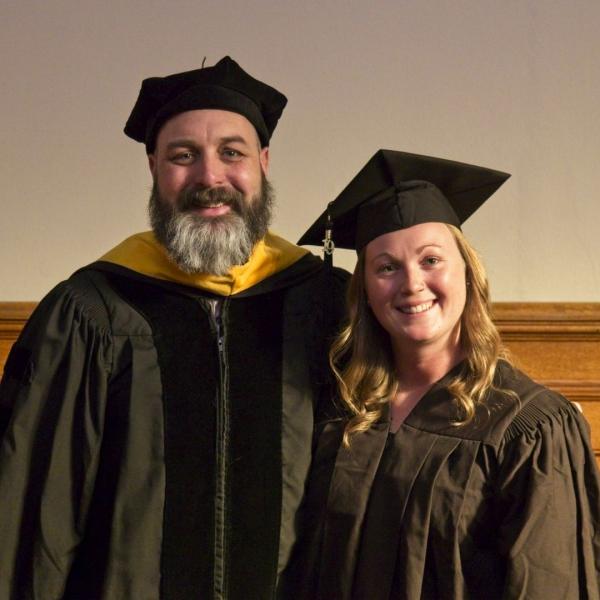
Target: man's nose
(208,171)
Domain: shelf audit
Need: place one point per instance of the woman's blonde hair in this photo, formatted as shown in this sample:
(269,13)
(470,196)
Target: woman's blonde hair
(361,355)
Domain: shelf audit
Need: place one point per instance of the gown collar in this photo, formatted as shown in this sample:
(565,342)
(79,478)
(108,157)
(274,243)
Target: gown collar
(143,254)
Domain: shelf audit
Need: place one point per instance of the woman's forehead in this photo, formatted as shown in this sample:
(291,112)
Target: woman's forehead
(413,238)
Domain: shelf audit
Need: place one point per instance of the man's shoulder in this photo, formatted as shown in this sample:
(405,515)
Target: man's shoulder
(89,296)
(320,282)
(80,294)
(309,272)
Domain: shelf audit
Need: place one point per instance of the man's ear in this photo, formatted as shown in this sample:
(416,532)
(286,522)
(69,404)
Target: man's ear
(151,163)
(264,160)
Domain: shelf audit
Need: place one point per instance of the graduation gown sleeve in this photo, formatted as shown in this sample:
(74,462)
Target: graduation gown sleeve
(549,495)
(52,398)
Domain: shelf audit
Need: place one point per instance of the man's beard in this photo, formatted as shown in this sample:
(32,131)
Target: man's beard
(199,244)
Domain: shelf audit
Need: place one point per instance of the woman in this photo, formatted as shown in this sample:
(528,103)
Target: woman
(453,475)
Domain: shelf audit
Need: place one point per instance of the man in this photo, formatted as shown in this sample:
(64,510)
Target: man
(158,408)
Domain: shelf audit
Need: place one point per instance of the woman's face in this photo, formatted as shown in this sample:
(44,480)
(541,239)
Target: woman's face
(415,284)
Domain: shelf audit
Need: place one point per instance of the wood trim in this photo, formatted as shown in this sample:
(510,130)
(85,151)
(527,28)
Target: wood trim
(531,330)
(558,344)
(551,312)
(547,320)
(505,314)
(524,326)
(576,391)
(13,316)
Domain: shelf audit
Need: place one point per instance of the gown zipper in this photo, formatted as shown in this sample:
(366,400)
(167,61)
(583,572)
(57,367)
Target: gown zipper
(221,451)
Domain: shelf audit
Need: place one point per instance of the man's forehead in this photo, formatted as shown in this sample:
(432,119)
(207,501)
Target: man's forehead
(215,123)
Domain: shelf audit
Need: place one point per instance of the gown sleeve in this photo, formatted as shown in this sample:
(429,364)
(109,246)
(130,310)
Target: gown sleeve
(549,493)
(52,399)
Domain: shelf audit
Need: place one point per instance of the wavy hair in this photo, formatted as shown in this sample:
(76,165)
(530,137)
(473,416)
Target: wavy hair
(361,355)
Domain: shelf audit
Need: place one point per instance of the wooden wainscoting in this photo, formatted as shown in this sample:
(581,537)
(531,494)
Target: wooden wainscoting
(13,316)
(558,344)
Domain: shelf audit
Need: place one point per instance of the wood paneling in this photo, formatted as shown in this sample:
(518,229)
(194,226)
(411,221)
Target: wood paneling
(13,316)
(559,346)
(556,344)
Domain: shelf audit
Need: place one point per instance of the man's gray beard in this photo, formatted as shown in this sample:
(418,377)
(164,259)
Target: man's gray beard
(213,245)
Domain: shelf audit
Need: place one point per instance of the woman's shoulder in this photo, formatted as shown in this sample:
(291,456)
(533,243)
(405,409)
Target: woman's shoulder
(516,403)
(528,405)
(534,401)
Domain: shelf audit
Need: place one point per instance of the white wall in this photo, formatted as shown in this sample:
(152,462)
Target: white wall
(512,84)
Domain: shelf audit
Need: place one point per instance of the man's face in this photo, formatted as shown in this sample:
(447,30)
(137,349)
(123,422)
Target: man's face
(208,149)
(210,201)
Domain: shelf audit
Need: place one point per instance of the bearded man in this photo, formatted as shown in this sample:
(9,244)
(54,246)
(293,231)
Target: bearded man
(158,408)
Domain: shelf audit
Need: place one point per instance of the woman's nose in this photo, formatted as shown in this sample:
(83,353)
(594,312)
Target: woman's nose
(412,282)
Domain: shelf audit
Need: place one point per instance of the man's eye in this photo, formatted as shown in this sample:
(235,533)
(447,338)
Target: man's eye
(183,157)
(231,153)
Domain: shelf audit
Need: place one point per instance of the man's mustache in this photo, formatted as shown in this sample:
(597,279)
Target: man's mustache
(193,198)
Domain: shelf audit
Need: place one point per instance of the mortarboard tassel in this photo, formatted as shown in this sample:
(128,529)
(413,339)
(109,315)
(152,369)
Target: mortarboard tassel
(328,244)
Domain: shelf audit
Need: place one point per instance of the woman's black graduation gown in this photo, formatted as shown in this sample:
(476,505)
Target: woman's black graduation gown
(507,506)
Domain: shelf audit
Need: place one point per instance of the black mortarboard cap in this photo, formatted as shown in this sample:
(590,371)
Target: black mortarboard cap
(396,190)
(224,86)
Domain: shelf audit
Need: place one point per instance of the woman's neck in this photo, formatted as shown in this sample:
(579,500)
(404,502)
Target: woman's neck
(423,366)
(417,371)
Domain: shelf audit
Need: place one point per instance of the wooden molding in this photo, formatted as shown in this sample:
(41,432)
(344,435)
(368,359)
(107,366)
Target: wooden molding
(547,321)
(551,312)
(13,316)
(557,344)
(576,391)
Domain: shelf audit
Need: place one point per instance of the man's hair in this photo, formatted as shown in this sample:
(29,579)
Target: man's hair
(361,355)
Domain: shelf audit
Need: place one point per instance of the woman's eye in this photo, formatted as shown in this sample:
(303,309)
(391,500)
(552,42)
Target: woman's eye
(431,260)
(386,268)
